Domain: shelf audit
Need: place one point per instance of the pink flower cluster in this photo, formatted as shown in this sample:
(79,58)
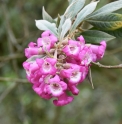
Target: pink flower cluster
(56,67)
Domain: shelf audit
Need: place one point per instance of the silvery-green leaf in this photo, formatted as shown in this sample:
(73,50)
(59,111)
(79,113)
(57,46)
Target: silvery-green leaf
(34,57)
(111,7)
(46,16)
(88,9)
(65,27)
(58,20)
(70,1)
(61,23)
(45,25)
(74,8)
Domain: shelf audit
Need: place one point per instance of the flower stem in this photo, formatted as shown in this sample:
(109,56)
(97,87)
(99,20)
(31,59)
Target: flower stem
(107,66)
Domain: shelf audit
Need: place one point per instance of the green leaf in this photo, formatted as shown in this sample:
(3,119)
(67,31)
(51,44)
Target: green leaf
(107,22)
(117,33)
(94,36)
(74,8)
(65,27)
(46,16)
(45,25)
(88,9)
(109,8)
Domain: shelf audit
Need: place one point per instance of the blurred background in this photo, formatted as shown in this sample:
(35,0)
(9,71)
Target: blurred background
(20,105)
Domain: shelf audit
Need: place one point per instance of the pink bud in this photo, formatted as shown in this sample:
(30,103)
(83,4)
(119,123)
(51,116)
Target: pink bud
(73,89)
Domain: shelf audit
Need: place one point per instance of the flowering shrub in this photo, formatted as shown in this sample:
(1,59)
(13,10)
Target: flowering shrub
(63,66)
(61,58)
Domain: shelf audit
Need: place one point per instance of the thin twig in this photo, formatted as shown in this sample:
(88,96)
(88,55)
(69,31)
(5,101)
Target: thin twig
(10,57)
(17,80)
(46,51)
(55,54)
(107,66)
(90,78)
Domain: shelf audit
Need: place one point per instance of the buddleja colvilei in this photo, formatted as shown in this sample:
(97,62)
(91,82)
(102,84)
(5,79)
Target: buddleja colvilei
(59,60)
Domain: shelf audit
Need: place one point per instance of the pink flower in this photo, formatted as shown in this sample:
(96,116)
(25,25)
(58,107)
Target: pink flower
(99,50)
(47,41)
(32,71)
(26,65)
(53,39)
(86,56)
(33,67)
(84,70)
(34,78)
(40,89)
(46,78)
(47,66)
(63,100)
(32,50)
(72,49)
(75,74)
(73,60)
(56,87)
(30,67)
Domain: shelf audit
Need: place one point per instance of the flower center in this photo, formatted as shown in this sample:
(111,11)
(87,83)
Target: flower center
(55,86)
(75,77)
(74,74)
(46,65)
(72,48)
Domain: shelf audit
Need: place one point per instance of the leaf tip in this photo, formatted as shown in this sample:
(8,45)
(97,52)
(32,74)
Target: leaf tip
(43,9)
(35,20)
